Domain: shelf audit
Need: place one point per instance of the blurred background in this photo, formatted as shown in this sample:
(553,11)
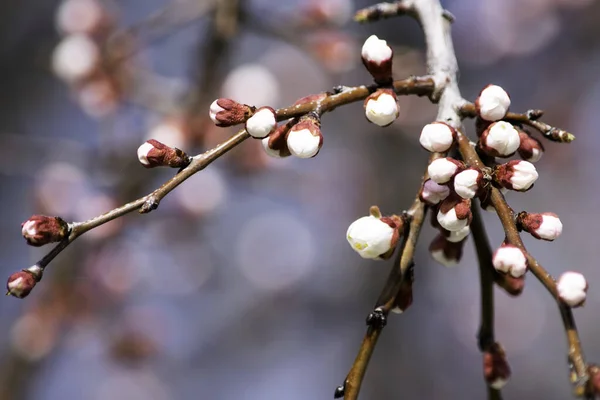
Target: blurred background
(242,285)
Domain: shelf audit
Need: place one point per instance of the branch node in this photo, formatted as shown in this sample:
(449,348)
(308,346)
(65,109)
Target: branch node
(377,319)
(149,205)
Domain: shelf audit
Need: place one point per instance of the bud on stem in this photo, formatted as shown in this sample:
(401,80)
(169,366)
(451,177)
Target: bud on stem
(40,230)
(156,154)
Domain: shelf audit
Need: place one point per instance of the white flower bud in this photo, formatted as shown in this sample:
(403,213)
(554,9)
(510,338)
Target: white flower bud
(376,51)
(381,108)
(446,252)
(261,123)
(572,288)
(516,175)
(454,213)
(215,108)
(75,58)
(432,193)
(442,170)
(492,103)
(500,139)
(142,153)
(370,237)
(304,140)
(546,226)
(458,236)
(437,137)
(450,220)
(467,183)
(511,260)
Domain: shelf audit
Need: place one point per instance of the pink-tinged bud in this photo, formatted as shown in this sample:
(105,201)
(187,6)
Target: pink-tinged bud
(39,230)
(530,148)
(546,226)
(446,252)
(261,123)
(381,107)
(510,259)
(374,236)
(275,144)
(496,370)
(572,288)
(456,236)
(516,175)
(227,112)
(468,183)
(81,16)
(75,58)
(500,139)
(377,58)
(594,372)
(437,137)
(21,283)
(156,154)
(454,213)
(493,103)
(432,193)
(442,170)
(304,140)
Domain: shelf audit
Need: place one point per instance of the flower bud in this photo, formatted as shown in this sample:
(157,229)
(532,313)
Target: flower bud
(261,123)
(572,288)
(377,58)
(432,193)
(456,236)
(227,112)
(75,58)
(594,372)
(21,283)
(516,175)
(80,16)
(493,103)
(510,259)
(437,137)
(304,140)
(454,213)
(495,366)
(546,226)
(441,170)
(530,148)
(275,144)
(156,154)
(446,252)
(39,230)
(374,236)
(404,298)
(500,139)
(468,183)
(381,107)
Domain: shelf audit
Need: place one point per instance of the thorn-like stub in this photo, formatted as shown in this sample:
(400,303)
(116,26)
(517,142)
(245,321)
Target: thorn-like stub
(377,319)
(339,391)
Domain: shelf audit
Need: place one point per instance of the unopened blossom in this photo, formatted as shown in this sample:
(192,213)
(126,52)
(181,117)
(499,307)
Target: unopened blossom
(500,139)
(404,298)
(510,259)
(432,193)
(516,175)
(446,252)
(275,144)
(381,107)
(530,148)
(572,288)
(304,139)
(454,213)
(75,58)
(261,123)
(442,170)
(226,112)
(456,236)
(80,16)
(437,137)
(373,236)
(21,283)
(156,154)
(546,226)
(377,58)
(39,230)
(468,183)
(493,103)
(496,370)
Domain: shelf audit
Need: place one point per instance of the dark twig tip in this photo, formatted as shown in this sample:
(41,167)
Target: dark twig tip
(339,391)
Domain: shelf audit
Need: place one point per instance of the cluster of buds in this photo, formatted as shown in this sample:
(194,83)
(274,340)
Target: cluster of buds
(40,230)
(153,154)
(226,112)
(545,226)
(375,236)
(381,107)
(437,137)
(509,259)
(572,288)
(79,59)
(377,58)
(21,283)
(496,370)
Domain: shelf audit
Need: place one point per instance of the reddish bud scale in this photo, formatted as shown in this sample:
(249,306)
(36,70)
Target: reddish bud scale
(540,226)
(161,155)
(496,370)
(513,286)
(461,206)
(21,283)
(396,223)
(311,98)
(404,298)
(39,230)
(276,140)
(530,148)
(446,252)
(594,382)
(515,175)
(227,112)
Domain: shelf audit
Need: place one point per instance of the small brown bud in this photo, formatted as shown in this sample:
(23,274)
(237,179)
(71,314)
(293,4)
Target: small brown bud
(495,366)
(21,283)
(39,230)
(446,252)
(227,112)
(156,154)
(530,148)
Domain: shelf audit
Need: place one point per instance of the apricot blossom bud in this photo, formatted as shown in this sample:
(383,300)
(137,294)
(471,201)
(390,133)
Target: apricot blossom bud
(304,139)
(432,193)
(226,112)
(493,103)
(545,226)
(377,58)
(156,154)
(516,175)
(500,139)
(437,137)
(381,107)
(496,370)
(374,236)
(261,123)
(510,259)
(275,144)
(39,230)
(468,183)
(21,283)
(456,236)
(441,170)
(530,148)
(446,252)
(454,213)
(572,288)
